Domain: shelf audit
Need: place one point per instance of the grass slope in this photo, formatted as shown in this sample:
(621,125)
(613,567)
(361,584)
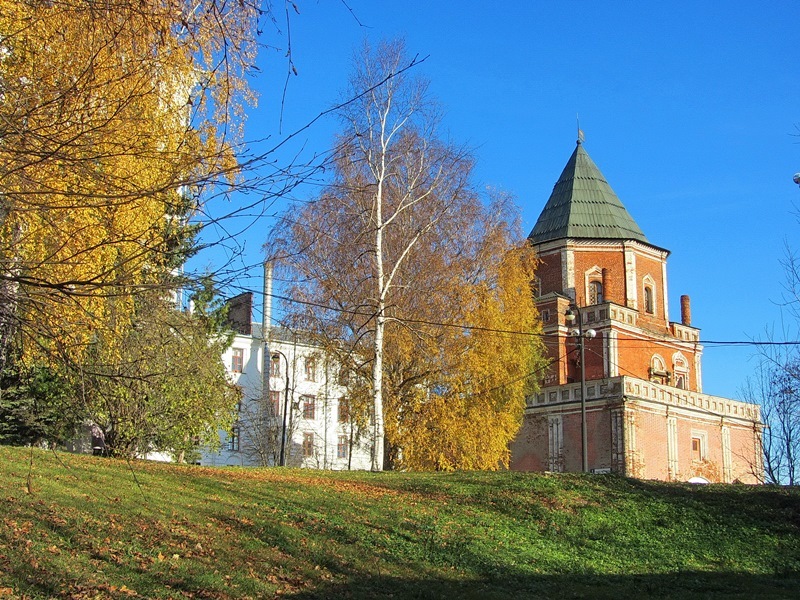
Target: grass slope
(97,528)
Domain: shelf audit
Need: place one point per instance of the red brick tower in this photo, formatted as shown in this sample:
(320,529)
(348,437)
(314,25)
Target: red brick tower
(644,413)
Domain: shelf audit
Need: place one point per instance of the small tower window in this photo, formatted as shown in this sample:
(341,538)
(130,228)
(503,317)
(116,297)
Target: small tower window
(649,306)
(658,370)
(595,292)
(681,366)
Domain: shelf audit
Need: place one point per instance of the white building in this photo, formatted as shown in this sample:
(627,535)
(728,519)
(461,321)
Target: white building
(302,387)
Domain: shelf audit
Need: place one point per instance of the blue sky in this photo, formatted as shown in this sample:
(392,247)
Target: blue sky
(690,109)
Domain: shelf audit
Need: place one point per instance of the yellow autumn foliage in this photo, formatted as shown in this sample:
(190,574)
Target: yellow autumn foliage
(464,412)
(99,158)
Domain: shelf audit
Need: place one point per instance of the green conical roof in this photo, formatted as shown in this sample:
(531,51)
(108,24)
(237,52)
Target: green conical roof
(583,205)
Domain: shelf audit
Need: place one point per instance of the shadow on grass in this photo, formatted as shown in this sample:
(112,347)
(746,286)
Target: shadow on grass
(691,585)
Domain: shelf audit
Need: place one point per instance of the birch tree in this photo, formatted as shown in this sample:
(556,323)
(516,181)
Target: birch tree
(384,254)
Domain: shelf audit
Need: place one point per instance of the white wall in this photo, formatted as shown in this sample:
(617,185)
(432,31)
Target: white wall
(324,428)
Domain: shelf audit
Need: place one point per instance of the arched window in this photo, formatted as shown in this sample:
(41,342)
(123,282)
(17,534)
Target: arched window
(649,299)
(649,294)
(657,363)
(595,292)
(593,282)
(658,370)
(681,368)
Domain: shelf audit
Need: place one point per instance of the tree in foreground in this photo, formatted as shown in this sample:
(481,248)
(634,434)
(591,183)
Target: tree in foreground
(414,280)
(117,118)
(164,387)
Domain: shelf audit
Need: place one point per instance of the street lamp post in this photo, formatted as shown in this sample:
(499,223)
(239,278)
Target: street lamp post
(570,316)
(282,459)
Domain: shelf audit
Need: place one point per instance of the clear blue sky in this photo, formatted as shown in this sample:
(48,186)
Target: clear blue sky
(690,109)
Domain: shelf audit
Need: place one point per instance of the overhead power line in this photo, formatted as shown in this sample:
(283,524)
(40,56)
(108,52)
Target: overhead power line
(547,337)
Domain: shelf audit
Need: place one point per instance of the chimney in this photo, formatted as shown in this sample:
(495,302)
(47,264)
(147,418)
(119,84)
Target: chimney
(686,311)
(267,315)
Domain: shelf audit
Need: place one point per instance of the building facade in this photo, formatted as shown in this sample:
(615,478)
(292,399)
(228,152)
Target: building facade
(302,386)
(603,286)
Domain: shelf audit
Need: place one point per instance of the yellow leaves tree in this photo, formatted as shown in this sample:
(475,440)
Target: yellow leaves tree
(118,119)
(464,413)
(114,118)
(415,280)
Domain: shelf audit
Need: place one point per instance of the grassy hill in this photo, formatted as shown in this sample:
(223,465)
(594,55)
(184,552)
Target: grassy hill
(83,527)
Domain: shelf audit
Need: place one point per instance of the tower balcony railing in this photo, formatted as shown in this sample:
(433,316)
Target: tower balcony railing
(634,388)
(606,313)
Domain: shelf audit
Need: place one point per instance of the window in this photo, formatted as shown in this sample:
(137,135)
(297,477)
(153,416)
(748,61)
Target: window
(308,444)
(344,410)
(309,406)
(545,316)
(696,453)
(342,447)
(536,286)
(649,300)
(699,447)
(237,360)
(233,440)
(658,370)
(275,402)
(595,292)
(311,368)
(275,365)
(681,368)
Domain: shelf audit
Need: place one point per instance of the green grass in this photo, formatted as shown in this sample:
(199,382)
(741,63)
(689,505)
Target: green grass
(98,528)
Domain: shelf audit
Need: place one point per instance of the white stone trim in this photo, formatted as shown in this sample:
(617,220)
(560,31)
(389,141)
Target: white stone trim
(555,443)
(672,447)
(631,288)
(665,295)
(727,459)
(568,272)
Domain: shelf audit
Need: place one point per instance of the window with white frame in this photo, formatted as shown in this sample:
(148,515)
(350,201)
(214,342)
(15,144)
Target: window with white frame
(649,295)
(237,360)
(311,368)
(308,444)
(593,285)
(699,445)
(658,370)
(596,292)
(681,368)
(344,410)
(309,407)
(342,447)
(275,365)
